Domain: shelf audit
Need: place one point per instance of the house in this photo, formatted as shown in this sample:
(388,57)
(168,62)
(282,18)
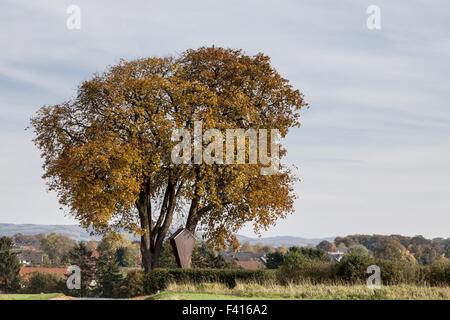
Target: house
(246,260)
(338,254)
(29,257)
(249,265)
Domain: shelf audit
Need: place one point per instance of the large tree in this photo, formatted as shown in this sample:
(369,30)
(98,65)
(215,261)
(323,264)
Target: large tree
(107,151)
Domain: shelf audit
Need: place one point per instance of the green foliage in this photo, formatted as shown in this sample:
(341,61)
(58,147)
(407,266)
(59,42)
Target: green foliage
(439,273)
(41,282)
(298,268)
(9,266)
(428,256)
(389,249)
(81,256)
(395,272)
(126,256)
(353,266)
(274,260)
(326,246)
(204,257)
(166,257)
(359,249)
(107,273)
(56,246)
(131,286)
(159,279)
(311,253)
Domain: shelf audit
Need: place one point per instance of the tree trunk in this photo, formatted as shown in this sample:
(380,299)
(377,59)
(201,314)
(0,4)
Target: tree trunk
(143,206)
(155,232)
(192,219)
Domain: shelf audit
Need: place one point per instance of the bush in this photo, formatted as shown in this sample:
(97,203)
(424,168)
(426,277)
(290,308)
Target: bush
(353,267)
(274,260)
(396,272)
(297,268)
(41,282)
(131,286)
(160,278)
(439,274)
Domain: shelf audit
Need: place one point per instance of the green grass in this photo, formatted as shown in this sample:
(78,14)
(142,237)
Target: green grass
(215,291)
(42,296)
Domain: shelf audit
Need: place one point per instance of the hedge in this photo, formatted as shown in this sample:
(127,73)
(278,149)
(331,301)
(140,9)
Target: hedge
(160,278)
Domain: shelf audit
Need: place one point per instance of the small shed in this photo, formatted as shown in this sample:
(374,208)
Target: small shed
(182,242)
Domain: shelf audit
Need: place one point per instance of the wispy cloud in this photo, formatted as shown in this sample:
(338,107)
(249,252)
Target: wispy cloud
(373,148)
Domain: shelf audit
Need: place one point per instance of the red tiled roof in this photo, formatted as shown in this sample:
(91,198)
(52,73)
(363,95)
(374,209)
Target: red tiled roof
(249,265)
(24,271)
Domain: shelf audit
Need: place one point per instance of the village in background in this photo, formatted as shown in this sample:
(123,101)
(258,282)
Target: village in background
(49,252)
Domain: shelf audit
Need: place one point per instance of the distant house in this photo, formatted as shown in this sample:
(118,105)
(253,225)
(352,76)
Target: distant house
(337,254)
(249,265)
(246,260)
(29,257)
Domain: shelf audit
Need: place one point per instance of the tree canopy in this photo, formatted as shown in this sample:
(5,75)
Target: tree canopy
(107,152)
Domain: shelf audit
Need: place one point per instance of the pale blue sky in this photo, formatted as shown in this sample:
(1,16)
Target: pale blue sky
(374,149)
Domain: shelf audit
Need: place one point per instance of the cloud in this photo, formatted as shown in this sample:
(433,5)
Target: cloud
(372,150)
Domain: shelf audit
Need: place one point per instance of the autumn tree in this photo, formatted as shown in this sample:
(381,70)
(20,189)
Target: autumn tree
(247,247)
(56,245)
(107,150)
(114,242)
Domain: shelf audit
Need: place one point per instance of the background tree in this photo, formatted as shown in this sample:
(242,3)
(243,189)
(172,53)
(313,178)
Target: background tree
(107,273)
(9,266)
(247,247)
(56,246)
(114,241)
(42,282)
(359,249)
(106,151)
(274,260)
(427,256)
(353,265)
(283,249)
(204,256)
(326,245)
(268,249)
(126,256)
(389,249)
(82,257)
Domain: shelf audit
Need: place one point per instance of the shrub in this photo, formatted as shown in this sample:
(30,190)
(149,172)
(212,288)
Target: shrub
(41,282)
(160,278)
(274,259)
(439,274)
(396,272)
(131,286)
(296,268)
(353,266)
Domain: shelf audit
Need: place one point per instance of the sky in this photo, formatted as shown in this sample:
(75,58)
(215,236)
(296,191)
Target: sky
(373,151)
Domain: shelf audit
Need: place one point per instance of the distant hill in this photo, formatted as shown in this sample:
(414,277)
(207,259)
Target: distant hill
(283,241)
(77,233)
(72,231)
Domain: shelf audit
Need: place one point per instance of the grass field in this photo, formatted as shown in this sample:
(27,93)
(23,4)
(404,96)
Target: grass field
(42,296)
(209,291)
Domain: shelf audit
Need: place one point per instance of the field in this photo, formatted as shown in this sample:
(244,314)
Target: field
(213,291)
(42,296)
